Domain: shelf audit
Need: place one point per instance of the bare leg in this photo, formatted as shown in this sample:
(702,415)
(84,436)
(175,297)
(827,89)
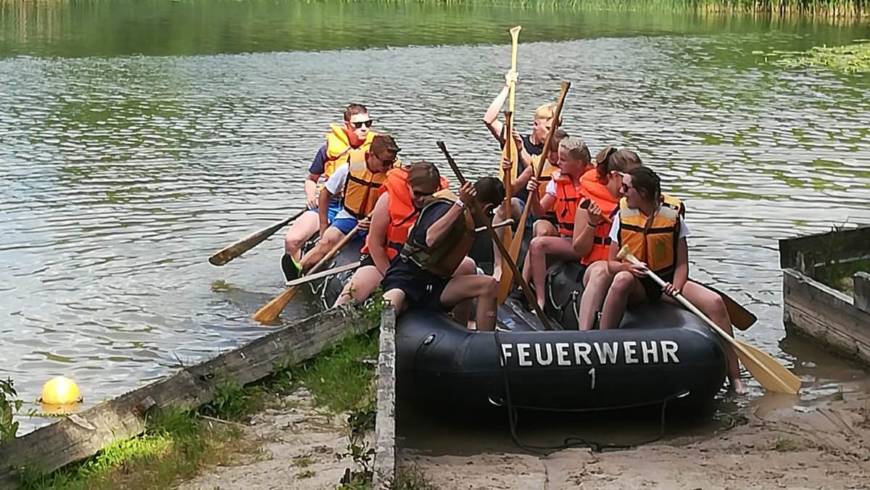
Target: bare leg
(711,304)
(364,281)
(539,250)
(462,311)
(625,289)
(596,282)
(300,232)
(329,239)
(484,288)
(540,228)
(396,297)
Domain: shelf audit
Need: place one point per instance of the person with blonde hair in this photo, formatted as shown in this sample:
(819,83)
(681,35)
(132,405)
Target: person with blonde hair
(563,194)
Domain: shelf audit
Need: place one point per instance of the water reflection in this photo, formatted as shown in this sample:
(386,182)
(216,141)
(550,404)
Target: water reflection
(120,176)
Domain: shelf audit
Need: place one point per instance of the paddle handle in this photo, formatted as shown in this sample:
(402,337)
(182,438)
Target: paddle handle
(338,246)
(515,38)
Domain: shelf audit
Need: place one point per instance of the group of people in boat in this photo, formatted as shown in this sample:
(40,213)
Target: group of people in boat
(418,234)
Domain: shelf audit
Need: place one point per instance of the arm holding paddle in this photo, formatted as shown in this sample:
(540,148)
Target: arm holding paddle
(681,272)
(490,118)
(772,375)
(441,227)
(323,209)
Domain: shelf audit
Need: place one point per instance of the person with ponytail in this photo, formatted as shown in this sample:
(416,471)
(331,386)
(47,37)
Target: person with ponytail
(591,239)
(652,225)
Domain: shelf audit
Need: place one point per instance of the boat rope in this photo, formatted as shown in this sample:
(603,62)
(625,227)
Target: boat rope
(573,441)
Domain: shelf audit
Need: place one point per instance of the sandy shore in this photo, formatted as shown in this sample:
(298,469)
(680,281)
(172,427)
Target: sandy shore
(826,445)
(823,446)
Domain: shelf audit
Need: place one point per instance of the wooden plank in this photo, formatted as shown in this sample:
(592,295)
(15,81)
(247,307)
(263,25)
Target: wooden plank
(805,253)
(384,472)
(823,313)
(84,434)
(862,291)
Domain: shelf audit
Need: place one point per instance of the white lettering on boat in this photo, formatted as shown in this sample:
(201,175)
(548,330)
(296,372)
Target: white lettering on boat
(541,360)
(562,354)
(607,352)
(523,354)
(591,353)
(669,349)
(630,352)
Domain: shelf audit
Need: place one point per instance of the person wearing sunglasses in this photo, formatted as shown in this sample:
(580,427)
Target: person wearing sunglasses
(357,183)
(653,227)
(562,196)
(425,274)
(343,142)
(592,223)
(404,193)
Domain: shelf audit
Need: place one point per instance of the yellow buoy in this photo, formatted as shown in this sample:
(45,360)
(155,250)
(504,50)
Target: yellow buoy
(60,390)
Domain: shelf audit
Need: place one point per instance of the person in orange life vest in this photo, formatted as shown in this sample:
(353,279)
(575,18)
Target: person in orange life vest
(651,224)
(353,136)
(592,225)
(403,195)
(563,196)
(424,274)
(358,183)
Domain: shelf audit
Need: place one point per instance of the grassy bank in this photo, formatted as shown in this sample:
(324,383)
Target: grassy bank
(179,443)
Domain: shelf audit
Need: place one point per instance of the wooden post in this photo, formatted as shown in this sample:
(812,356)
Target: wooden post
(384,472)
(862,291)
(82,435)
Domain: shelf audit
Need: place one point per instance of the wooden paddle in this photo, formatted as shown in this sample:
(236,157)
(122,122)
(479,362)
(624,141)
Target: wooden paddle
(510,153)
(504,284)
(768,371)
(270,311)
(740,316)
(235,250)
(480,216)
(320,275)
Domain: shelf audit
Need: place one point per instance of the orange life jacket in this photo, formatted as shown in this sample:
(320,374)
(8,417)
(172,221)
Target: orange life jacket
(598,193)
(653,241)
(402,212)
(567,198)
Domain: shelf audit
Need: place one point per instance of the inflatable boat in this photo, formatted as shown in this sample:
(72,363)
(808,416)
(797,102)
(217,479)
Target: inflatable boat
(661,353)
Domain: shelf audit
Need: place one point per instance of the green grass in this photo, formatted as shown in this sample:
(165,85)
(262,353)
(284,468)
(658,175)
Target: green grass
(176,444)
(338,378)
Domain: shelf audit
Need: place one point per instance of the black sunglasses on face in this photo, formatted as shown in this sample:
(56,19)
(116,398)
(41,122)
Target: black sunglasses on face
(359,124)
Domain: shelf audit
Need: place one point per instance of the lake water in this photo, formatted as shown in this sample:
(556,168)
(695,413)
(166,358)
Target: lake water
(136,138)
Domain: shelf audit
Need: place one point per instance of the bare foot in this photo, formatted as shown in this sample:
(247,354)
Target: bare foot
(738,387)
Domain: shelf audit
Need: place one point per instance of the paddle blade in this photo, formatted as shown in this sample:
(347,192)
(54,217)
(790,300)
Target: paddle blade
(772,375)
(237,249)
(740,316)
(506,281)
(270,311)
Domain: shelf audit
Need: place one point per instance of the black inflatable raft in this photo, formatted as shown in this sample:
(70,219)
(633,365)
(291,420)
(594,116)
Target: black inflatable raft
(661,353)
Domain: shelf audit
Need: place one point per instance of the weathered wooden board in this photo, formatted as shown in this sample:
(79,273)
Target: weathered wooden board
(84,434)
(862,291)
(823,313)
(805,253)
(385,422)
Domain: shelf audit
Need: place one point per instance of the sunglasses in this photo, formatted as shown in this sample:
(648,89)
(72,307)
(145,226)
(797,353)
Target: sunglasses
(359,124)
(624,188)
